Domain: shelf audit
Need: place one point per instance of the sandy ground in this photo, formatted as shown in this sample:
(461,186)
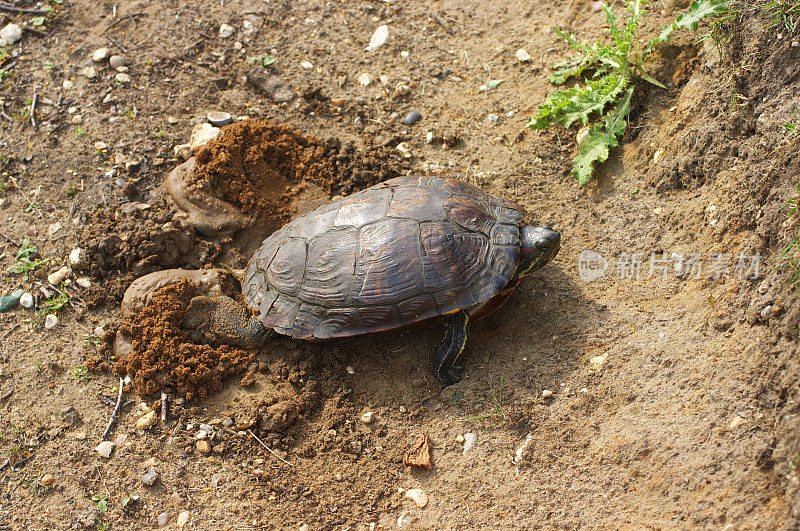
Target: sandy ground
(647,398)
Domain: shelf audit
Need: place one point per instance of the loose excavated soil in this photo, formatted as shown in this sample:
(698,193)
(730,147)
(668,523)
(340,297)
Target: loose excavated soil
(259,167)
(162,354)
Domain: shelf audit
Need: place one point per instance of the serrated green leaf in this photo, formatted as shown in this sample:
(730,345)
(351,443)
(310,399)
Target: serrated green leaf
(689,20)
(566,69)
(602,138)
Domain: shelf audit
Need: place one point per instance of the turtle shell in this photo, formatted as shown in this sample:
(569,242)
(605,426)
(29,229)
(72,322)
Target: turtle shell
(399,253)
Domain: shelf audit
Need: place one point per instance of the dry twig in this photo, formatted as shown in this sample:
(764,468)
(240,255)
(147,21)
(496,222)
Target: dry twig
(267,448)
(115,412)
(132,16)
(10,8)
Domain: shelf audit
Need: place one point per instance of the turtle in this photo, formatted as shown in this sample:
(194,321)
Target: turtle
(403,253)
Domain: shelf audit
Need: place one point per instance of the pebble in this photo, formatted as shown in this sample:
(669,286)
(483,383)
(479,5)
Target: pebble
(493,118)
(76,120)
(8,302)
(202,134)
(273,86)
(207,428)
(163,519)
(101,54)
(767,312)
(350,370)
(50,321)
(547,393)
(368,417)
(100,146)
(470,441)
(105,448)
(203,446)
(67,84)
(26,300)
(89,72)
(379,38)
(735,423)
(146,421)
(403,148)
(402,89)
(10,34)
(419,497)
(183,518)
(77,257)
(150,477)
(219,118)
(306,65)
(365,79)
(57,277)
(522,55)
(597,361)
(117,61)
(226,31)
(123,78)
(795,44)
(47,480)
(412,118)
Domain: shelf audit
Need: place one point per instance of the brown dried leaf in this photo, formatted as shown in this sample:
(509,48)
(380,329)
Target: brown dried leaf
(419,454)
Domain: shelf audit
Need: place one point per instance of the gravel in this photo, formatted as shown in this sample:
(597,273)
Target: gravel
(412,118)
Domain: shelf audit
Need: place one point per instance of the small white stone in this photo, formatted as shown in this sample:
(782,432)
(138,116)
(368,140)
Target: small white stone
(226,31)
(470,441)
(795,44)
(419,497)
(183,519)
(10,34)
(202,134)
(365,79)
(57,277)
(597,361)
(146,421)
(735,423)
(404,54)
(67,84)
(84,282)
(350,370)
(307,65)
(522,55)
(101,54)
(547,393)
(89,72)
(123,78)
(378,38)
(429,137)
(219,118)
(76,120)
(116,61)
(366,418)
(100,146)
(50,321)
(403,148)
(77,257)
(54,227)
(384,79)
(105,448)
(26,300)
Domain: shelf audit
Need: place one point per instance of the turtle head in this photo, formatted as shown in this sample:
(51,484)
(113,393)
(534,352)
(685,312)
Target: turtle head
(538,245)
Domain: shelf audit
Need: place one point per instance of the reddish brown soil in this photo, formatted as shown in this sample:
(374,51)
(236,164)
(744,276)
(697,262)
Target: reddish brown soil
(163,355)
(258,166)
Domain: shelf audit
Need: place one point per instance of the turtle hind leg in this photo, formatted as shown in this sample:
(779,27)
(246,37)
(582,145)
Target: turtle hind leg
(450,349)
(222,320)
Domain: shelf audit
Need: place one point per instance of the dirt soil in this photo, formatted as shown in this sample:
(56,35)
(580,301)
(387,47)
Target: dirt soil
(658,395)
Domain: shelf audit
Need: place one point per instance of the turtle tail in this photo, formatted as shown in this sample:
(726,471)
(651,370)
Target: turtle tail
(222,320)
